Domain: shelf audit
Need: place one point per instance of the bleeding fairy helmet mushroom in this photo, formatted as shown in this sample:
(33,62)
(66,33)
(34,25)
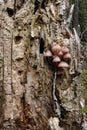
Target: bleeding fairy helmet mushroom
(56,49)
(67,56)
(48,53)
(53,44)
(60,53)
(56,59)
(65,49)
(63,64)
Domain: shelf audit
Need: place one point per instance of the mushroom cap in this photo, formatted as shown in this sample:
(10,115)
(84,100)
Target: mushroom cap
(56,48)
(60,53)
(67,56)
(48,53)
(63,64)
(65,49)
(53,44)
(56,59)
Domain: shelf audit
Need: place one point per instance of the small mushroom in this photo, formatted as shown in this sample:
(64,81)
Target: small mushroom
(65,49)
(53,44)
(48,53)
(60,53)
(67,56)
(56,59)
(56,49)
(63,64)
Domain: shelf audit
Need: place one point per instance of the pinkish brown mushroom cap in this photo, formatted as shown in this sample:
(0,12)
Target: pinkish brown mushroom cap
(65,49)
(67,56)
(56,59)
(63,64)
(60,53)
(48,53)
(56,48)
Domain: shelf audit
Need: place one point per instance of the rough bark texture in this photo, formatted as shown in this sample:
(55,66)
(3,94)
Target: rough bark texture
(75,22)
(28,27)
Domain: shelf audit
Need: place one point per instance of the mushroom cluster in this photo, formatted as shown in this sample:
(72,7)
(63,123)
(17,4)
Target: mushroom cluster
(60,55)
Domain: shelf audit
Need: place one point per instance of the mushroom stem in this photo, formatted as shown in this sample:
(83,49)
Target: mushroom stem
(66,73)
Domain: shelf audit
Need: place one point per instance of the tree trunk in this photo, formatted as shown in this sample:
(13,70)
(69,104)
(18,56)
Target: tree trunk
(36,94)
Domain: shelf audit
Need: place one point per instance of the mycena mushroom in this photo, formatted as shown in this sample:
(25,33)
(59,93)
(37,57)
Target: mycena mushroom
(63,64)
(48,53)
(56,49)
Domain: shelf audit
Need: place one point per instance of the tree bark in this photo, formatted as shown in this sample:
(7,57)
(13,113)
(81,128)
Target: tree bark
(75,21)
(34,94)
